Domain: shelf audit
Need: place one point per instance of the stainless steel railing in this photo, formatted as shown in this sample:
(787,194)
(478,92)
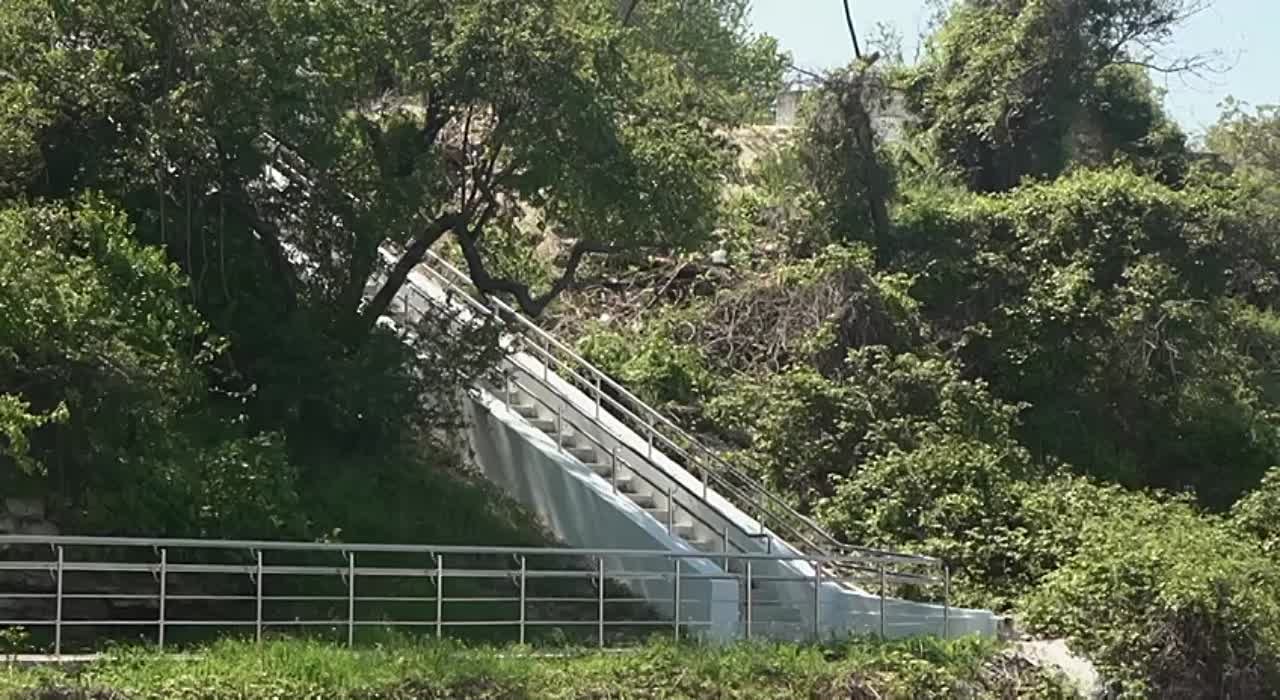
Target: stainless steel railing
(231,586)
(739,488)
(858,561)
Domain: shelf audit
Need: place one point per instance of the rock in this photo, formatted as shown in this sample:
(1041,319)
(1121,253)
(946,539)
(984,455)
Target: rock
(24,508)
(1056,655)
(720,256)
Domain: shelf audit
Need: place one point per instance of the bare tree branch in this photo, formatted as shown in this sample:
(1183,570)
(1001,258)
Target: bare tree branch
(530,304)
(409,259)
(853,34)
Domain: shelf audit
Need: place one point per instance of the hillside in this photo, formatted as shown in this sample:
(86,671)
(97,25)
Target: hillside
(1036,335)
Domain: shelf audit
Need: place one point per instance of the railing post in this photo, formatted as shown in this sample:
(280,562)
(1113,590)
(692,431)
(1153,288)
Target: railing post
(817,601)
(351,599)
(164,580)
(671,511)
(882,634)
(506,385)
(675,601)
(601,600)
(57,622)
(560,425)
(524,571)
(613,469)
(439,595)
(704,481)
(651,429)
(257,620)
(749,598)
(725,539)
(946,601)
(599,393)
(546,358)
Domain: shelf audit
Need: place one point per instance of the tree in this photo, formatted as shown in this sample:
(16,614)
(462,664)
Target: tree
(1135,320)
(1248,140)
(386,123)
(842,155)
(1004,81)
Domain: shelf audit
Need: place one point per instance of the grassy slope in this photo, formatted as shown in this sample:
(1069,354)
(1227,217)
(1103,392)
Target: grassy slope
(916,669)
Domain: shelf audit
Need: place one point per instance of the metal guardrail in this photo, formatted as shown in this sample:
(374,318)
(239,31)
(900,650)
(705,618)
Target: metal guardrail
(856,561)
(353,587)
(739,488)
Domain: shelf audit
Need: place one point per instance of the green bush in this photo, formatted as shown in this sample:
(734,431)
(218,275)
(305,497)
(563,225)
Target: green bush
(808,432)
(914,669)
(1169,603)
(650,364)
(1258,512)
(953,498)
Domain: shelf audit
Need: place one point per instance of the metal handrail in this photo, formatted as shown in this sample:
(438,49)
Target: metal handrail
(354,570)
(457,281)
(678,484)
(725,486)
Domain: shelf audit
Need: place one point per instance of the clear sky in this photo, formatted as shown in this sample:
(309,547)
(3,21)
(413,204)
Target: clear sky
(1246,32)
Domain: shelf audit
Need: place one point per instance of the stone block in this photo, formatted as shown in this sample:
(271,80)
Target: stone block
(39,528)
(25,508)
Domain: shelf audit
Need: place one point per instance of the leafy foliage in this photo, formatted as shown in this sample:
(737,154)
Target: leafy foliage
(1110,304)
(1247,140)
(1005,84)
(1168,603)
(921,669)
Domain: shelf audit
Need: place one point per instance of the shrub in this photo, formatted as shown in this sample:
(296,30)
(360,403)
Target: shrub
(1258,513)
(1169,603)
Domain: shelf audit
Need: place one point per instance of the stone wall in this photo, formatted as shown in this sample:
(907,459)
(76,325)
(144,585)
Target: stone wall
(24,516)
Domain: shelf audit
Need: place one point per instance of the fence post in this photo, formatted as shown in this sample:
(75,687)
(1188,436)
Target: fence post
(57,623)
(882,634)
(817,601)
(560,424)
(675,601)
(439,595)
(351,599)
(164,579)
(946,601)
(601,573)
(257,620)
(671,510)
(524,571)
(749,596)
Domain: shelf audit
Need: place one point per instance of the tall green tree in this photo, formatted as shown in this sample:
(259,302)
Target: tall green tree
(395,122)
(1005,83)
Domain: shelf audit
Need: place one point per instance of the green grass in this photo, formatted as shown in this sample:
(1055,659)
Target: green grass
(919,669)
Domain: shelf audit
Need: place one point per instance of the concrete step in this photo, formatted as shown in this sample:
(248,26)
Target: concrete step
(528,410)
(587,455)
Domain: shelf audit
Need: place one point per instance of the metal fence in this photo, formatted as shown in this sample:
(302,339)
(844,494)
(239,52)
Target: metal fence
(74,592)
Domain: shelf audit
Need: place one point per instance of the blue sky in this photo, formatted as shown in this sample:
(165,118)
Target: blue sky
(1246,32)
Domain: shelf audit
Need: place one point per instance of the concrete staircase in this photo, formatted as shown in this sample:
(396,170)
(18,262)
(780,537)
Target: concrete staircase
(605,470)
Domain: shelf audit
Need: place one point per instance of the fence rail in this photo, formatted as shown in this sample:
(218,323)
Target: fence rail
(86,585)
